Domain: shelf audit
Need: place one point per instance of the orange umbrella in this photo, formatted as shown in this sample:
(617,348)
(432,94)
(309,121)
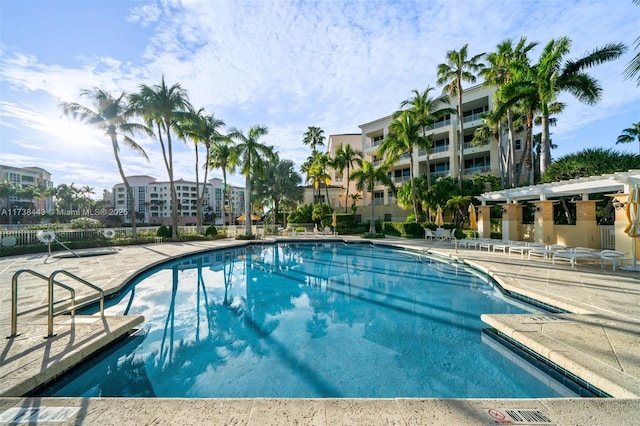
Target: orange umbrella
(472,216)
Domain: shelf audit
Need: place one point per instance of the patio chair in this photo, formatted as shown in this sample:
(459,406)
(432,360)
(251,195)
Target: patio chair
(615,257)
(546,252)
(429,234)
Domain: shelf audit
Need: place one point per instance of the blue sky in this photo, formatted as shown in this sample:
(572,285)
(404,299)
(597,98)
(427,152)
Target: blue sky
(283,64)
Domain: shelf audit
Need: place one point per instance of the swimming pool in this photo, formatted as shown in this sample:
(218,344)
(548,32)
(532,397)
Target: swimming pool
(310,320)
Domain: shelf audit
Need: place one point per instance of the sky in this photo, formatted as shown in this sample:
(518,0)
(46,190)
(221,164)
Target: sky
(283,64)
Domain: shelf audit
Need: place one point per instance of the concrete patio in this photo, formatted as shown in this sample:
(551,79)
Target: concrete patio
(598,340)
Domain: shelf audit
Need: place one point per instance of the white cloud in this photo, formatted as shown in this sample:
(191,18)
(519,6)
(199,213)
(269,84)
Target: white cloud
(288,65)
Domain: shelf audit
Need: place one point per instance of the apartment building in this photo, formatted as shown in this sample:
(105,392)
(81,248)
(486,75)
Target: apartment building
(26,176)
(444,155)
(152,200)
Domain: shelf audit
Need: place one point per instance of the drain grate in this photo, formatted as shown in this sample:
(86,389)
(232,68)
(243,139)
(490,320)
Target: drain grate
(519,416)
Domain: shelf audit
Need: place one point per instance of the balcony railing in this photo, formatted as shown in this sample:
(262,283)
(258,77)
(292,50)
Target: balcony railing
(475,170)
(440,173)
(441,148)
(472,117)
(439,124)
(399,179)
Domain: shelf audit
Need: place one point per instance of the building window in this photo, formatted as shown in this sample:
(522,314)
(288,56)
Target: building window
(518,144)
(378,197)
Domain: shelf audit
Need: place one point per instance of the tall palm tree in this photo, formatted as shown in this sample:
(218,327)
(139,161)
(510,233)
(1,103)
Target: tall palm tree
(428,110)
(366,178)
(202,129)
(553,74)
(223,156)
(112,115)
(404,135)
(164,106)
(253,157)
(630,134)
(314,137)
(451,74)
(346,157)
(502,65)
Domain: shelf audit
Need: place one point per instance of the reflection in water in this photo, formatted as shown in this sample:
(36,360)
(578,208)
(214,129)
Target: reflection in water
(309,320)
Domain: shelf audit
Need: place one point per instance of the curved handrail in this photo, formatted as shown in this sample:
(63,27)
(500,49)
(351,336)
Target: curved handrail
(80,280)
(14,296)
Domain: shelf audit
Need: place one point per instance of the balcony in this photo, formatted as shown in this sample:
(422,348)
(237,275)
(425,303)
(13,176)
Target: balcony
(469,145)
(477,170)
(438,149)
(473,117)
(439,124)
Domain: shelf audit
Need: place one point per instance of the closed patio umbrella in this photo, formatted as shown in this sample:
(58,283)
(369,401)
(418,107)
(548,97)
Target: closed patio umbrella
(439,221)
(472,216)
(334,221)
(633,217)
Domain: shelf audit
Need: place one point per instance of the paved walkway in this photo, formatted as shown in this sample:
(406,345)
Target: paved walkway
(598,340)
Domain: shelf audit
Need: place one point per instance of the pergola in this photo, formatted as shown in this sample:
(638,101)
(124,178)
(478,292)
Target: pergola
(584,233)
(611,183)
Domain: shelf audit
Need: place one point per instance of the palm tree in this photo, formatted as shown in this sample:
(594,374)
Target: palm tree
(113,116)
(345,158)
(633,67)
(253,158)
(366,178)
(503,64)
(165,106)
(279,185)
(404,136)
(428,110)
(553,75)
(630,134)
(223,156)
(451,74)
(201,128)
(316,170)
(459,205)
(314,137)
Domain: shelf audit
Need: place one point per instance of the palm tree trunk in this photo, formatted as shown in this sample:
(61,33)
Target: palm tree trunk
(174,196)
(127,187)
(413,189)
(198,197)
(247,205)
(545,144)
(461,159)
(372,225)
(346,197)
(512,145)
(204,181)
(225,196)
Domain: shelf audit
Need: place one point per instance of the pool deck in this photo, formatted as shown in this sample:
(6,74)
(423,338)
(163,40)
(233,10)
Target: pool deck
(598,341)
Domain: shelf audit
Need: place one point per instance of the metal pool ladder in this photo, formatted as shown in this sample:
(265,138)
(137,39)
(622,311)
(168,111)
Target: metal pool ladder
(50,303)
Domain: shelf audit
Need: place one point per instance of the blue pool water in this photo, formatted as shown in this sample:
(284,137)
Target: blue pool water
(310,320)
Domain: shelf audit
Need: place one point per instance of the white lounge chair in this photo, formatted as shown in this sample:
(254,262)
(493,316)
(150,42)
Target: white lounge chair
(572,255)
(615,257)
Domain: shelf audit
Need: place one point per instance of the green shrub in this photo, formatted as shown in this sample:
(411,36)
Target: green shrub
(85,223)
(211,231)
(245,237)
(164,231)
